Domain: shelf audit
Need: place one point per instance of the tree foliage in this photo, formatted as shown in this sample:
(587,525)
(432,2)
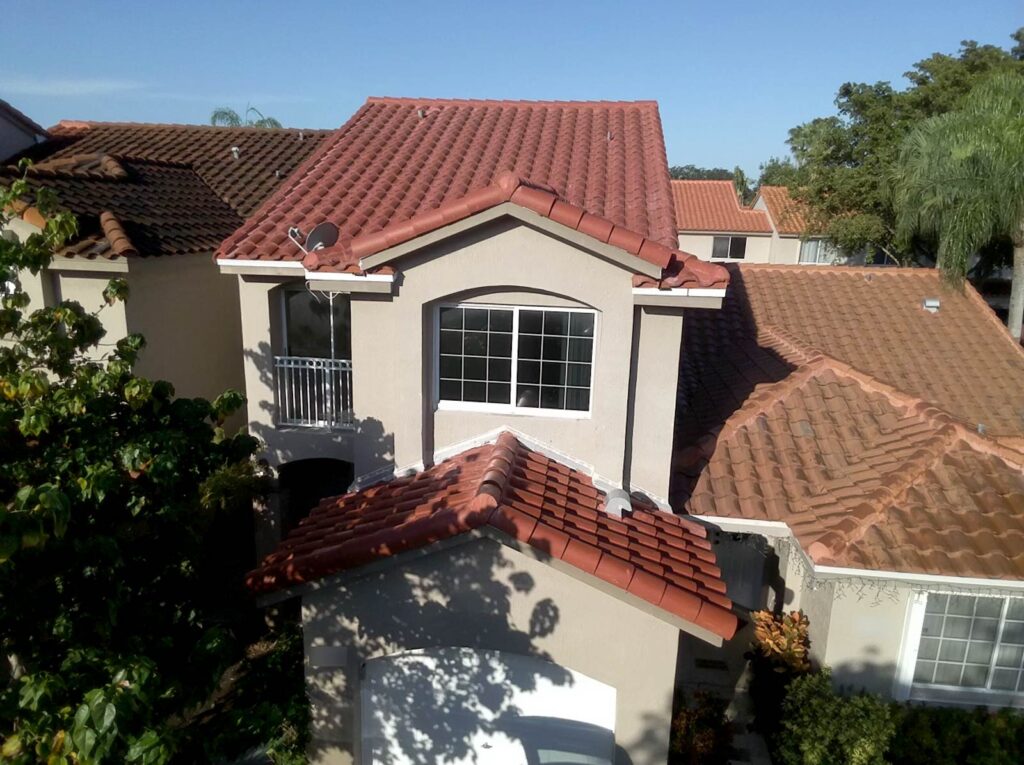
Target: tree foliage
(224,116)
(119,545)
(844,162)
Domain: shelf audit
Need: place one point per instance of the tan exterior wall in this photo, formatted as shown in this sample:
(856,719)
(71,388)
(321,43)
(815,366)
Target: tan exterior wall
(759,246)
(188,313)
(86,288)
(785,249)
(485,595)
(656,375)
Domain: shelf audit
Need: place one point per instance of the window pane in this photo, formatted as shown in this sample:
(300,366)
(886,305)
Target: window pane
(451,318)
(451,390)
(577,399)
(1013,632)
(474,391)
(307,324)
(581,324)
(529,347)
(1015,609)
(936,604)
(451,342)
(953,650)
(528,396)
(962,605)
(738,247)
(531,322)
(924,672)
(499,393)
(581,350)
(948,674)
(980,653)
(929,648)
(974,676)
(552,398)
(1010,656)
(720,247)
(476,318)
(1004,680)
(475,368)
(578,375)
(932,626)
(499,370)
(552,373)
(555,348)
(451,367)
(501,321)
(556,323)
(475,343)
(985,629)
(500,345)
(957,627)
(529,371)
(990,607)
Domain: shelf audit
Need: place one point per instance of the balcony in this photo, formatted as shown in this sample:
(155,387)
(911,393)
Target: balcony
(313,392)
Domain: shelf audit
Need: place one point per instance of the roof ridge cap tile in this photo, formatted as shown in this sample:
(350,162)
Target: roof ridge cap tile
(90,124)
(120,243)
(496,473)
(411,100)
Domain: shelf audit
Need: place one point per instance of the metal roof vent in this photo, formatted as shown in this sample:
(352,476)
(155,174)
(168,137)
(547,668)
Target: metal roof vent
(235,152)
(421,113)
(931,305)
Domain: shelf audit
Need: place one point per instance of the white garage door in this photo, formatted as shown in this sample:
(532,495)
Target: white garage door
(462,706)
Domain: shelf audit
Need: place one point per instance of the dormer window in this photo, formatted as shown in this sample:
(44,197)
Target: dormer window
(515,359)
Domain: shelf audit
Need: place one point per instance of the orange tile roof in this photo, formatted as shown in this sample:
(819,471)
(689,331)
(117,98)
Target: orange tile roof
(401,167)
(794,406)
(714,206)
(172,188)
(789,215)
(658,557)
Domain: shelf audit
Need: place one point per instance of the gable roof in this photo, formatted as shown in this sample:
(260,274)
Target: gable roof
(789,215)
(19,118)
(714,206)
(171,188)
(402,167)
(525,496)
(861,436)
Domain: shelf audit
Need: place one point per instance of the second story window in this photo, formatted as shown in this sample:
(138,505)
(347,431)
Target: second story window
(817,251)
(729,248)
(512,359)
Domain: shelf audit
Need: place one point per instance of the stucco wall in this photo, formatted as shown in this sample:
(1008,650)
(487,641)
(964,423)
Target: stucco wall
(188,312)
(785,249)
(86,287)
(485,595)
(758,246)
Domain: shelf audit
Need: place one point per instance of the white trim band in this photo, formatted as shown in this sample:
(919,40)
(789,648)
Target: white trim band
(680,292)
(294,265)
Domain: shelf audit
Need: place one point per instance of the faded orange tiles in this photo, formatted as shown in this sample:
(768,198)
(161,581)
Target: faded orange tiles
(714,206)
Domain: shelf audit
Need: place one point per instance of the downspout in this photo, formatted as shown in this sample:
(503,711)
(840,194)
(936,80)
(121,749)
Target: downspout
(634,355)
(1016,314)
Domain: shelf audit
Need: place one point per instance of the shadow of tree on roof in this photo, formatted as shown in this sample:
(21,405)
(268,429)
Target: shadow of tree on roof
(722,363)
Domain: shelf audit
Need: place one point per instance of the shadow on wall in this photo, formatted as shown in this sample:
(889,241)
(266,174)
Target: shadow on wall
(448,658)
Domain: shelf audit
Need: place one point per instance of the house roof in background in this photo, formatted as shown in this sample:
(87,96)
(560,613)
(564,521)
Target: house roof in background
(714,206)
(796,404)
(658,557)
(171,188)
(789,215)
(19,118)
(404,166)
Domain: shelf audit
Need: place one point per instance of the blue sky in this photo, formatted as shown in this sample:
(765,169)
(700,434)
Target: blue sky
(731,77)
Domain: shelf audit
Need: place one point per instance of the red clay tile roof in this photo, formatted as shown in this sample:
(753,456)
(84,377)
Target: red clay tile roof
(797,405)
(714,206)
(401,167)
(789,215)
(658,557)
(173,188)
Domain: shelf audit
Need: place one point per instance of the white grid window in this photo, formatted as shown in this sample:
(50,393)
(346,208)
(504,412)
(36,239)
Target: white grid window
(972,642)
(516,358)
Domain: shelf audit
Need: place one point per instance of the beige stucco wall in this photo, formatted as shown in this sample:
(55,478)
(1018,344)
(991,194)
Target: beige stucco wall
(785,249)
(485,595)
(188,313)
(86,288)
(656,361)
(700,244)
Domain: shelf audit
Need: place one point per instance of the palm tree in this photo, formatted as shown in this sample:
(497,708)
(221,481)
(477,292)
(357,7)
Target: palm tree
(227,117)
(960,180)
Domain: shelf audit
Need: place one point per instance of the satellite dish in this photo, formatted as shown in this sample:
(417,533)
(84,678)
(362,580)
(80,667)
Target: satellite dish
(323,235)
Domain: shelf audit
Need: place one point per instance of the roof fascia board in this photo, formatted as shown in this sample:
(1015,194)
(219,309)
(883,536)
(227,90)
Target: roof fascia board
(117,265)
(678,298)
(720,232)
(603,250)
(780,530)
(324,281)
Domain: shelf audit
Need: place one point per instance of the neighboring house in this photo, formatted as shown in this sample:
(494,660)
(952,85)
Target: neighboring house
(152,203)
(713,224)
(869,423)
(17,132)
(498,324)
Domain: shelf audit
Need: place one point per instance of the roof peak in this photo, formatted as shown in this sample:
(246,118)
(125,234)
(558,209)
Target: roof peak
(89,124)
(412,100)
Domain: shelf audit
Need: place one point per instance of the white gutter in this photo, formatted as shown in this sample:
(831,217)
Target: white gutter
(679,292)
(779,529)
(294,265)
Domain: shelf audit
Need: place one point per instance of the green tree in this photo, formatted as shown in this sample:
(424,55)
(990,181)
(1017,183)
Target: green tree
(844,161)
(226,117)
(120,545)
(960,182)
(694,173)
(778,171)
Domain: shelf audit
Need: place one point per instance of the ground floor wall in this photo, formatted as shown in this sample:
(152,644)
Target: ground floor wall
(481,594)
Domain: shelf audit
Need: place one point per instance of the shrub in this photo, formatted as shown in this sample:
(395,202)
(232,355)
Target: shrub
(701,733)
(779,654)
(820,727)
(945,736)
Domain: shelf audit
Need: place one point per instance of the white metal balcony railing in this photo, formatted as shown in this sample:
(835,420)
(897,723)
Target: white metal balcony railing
(312,392)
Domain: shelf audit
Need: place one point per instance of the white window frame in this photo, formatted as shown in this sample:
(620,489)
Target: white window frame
(512,409)
(730,237)
(904,686)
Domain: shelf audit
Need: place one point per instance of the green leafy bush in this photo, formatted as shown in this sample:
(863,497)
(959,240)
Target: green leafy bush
(701,733)
(780,652)
(948,736)
(820,727)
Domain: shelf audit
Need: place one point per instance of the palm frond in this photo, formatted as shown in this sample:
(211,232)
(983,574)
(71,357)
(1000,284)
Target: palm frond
(225,117)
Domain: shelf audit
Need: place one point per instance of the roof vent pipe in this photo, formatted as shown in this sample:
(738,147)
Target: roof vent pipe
(617,502)
(235,152)
(931,305)
(421,113)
